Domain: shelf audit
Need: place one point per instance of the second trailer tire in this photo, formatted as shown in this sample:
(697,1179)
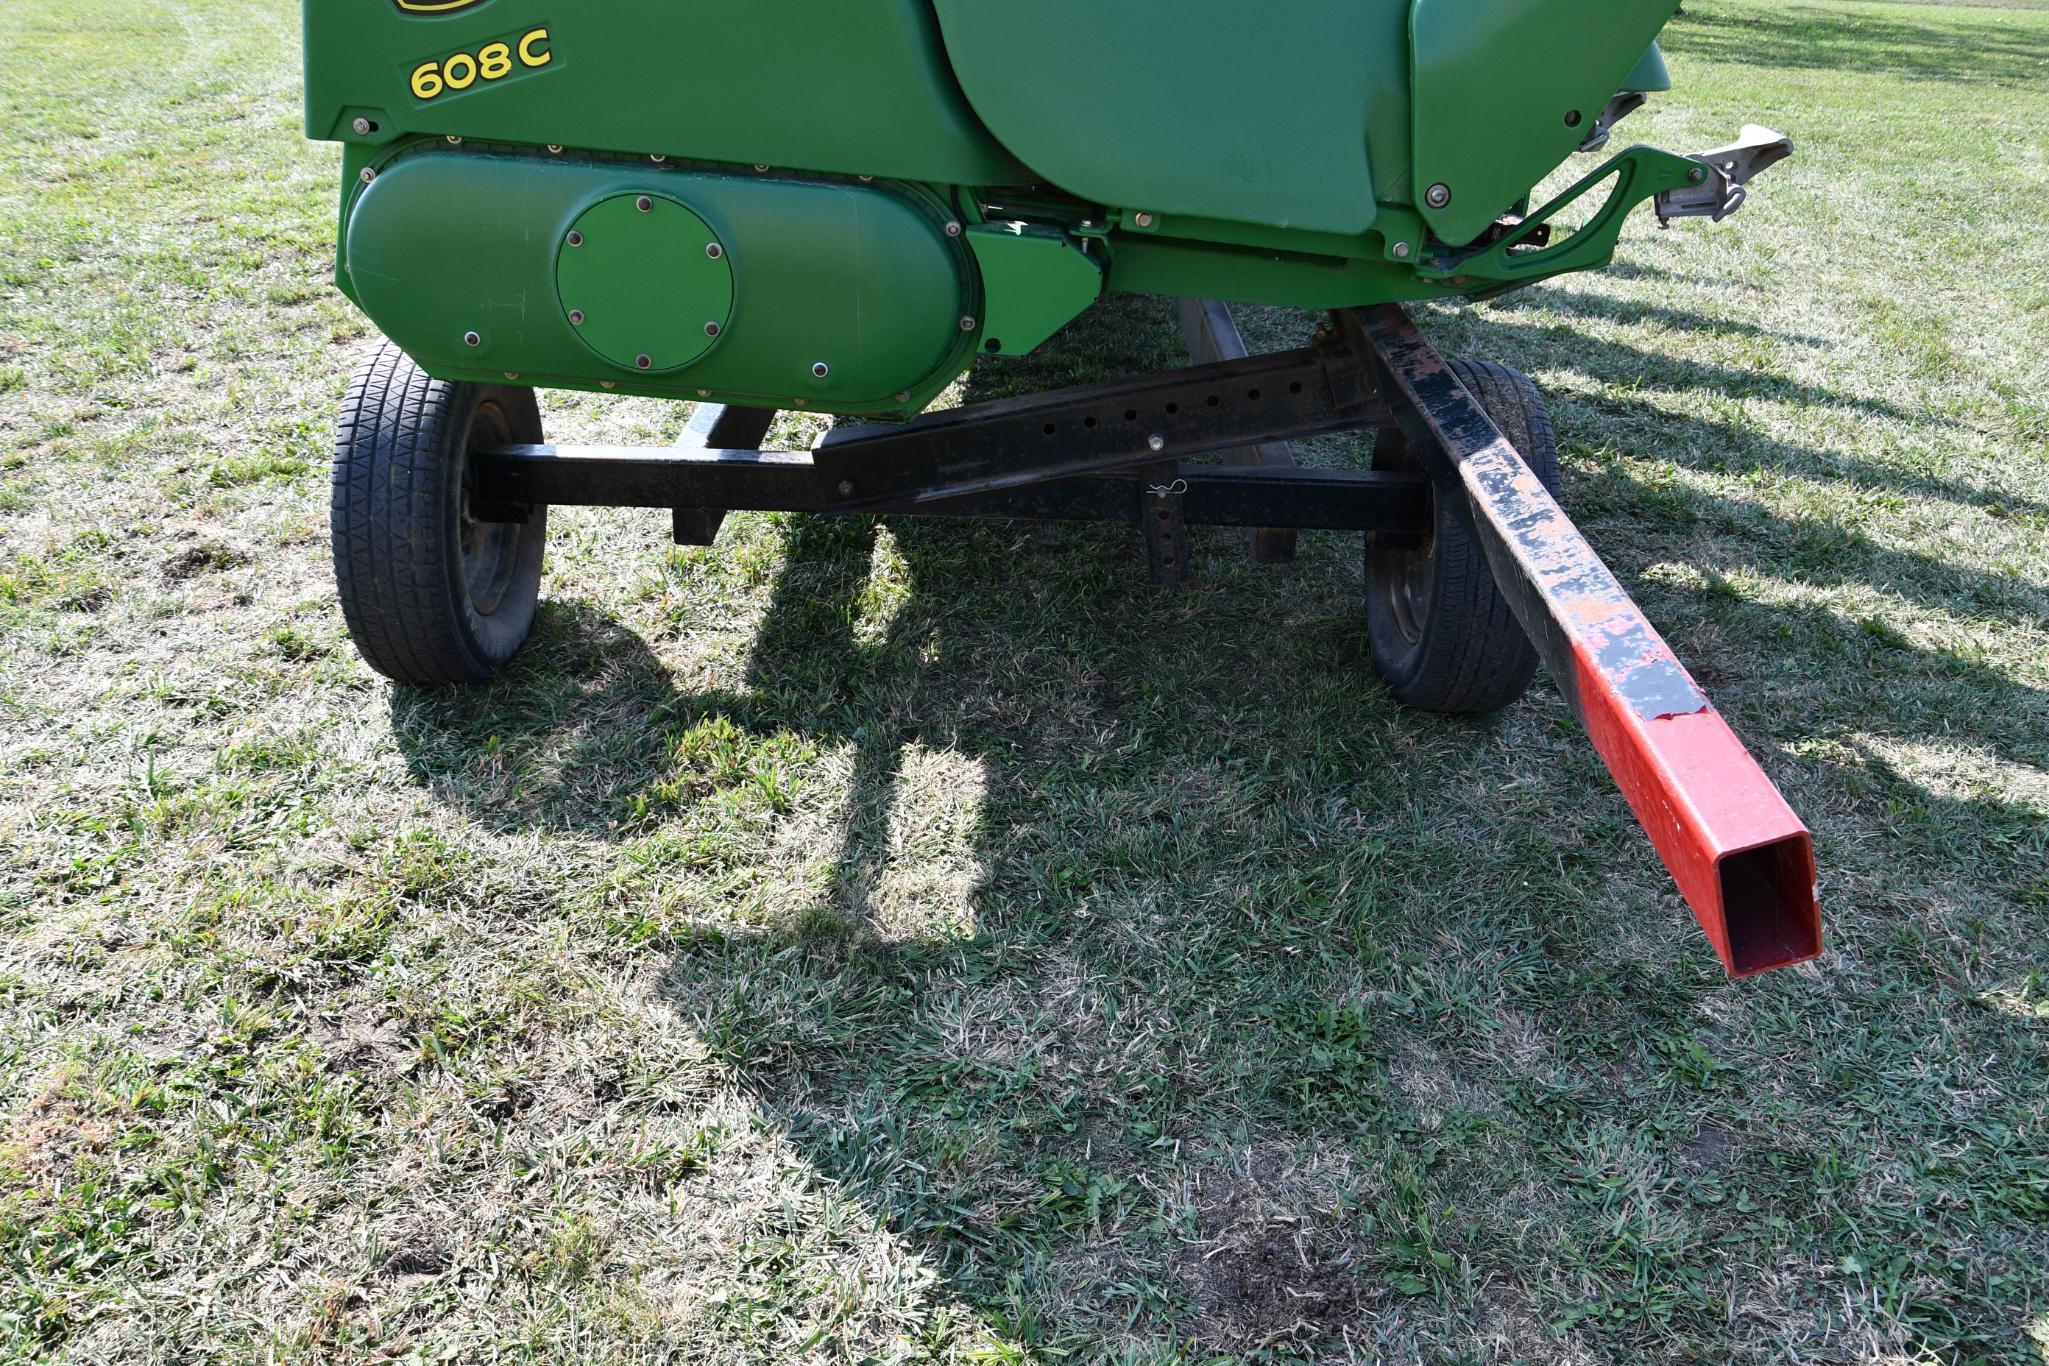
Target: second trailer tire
(432,595)
(1442,634)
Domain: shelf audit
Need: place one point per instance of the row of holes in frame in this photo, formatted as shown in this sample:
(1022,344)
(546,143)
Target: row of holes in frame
(1131,414)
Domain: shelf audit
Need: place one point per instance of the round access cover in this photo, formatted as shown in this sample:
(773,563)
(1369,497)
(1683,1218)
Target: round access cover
(648,279)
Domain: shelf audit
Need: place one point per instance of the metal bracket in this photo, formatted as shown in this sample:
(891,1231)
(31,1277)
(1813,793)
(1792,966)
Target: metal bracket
(1619,108)
(716,427)
(1710,184)
(1738,853)
(1721,192)
(1636,174)
(1163,519)
(1212,335)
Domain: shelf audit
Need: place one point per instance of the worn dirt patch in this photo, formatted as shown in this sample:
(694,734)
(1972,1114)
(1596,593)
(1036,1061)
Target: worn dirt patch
(53,1133)
(195,560)
(1712,1146)
(1265,1271)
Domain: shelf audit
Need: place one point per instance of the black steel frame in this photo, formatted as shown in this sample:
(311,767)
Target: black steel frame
(1129,450)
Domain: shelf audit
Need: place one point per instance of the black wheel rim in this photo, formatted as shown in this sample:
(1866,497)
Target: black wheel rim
(1406,585)
(1405,581)
(490,550)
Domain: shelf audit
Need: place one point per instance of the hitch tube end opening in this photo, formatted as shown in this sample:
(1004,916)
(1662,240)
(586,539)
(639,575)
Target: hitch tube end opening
(1769,910)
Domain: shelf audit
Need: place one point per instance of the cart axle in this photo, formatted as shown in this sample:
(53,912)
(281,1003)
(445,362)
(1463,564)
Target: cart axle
(1388,504)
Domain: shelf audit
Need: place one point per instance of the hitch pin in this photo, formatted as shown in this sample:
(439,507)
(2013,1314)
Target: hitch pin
(1162,490)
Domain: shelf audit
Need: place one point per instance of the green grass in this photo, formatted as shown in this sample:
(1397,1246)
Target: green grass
(887,942)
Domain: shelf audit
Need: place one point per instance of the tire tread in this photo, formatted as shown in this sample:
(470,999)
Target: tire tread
(1472,655)
(396,444)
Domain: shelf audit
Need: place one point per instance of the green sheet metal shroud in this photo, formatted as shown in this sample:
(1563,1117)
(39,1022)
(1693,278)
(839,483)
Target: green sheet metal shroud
(862,279)
(810,85)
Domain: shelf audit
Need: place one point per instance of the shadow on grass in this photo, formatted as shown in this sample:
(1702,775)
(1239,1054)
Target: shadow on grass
(559,741)
(1225,1029)
(1837,40)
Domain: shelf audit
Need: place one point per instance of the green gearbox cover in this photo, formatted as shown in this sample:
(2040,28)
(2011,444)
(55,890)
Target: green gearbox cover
(824,294)
(645,282)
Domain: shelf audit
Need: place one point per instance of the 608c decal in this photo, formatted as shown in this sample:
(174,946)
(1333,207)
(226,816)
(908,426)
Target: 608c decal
(494,61)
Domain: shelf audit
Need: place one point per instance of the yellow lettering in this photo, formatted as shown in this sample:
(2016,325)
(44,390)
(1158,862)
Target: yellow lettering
(530,54)
(426,80)
(467,78)
(494,61)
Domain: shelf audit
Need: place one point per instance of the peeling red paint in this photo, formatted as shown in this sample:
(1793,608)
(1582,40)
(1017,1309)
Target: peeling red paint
(1740,856)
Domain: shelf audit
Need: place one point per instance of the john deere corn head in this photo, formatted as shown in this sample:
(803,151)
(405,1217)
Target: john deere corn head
(835,206)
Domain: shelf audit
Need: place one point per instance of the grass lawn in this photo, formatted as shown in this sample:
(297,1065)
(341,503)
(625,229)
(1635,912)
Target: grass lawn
(866,942)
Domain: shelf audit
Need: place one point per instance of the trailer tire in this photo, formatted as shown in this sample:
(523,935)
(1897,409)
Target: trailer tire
(432,596)
(1441,632)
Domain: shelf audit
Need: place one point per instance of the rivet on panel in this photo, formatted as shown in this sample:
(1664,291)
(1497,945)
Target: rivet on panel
(576,317)
(714,250)
(711,329)
(471,339)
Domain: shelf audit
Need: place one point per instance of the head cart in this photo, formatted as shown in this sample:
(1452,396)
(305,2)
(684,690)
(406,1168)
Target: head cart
(609,196)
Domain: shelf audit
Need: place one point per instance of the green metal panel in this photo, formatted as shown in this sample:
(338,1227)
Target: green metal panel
(1505,90)
(1034,282)
(1649,74)
(645,281)
(1249,113)
(819,85)
(1163,265)
(863,280)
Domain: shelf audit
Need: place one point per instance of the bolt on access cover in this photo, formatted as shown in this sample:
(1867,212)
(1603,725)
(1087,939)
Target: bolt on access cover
(645,279)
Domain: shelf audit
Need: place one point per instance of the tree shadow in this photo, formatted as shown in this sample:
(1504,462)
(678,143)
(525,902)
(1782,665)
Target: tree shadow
(1586,304)
(1816,40)
(1639,424)
(1617,359)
